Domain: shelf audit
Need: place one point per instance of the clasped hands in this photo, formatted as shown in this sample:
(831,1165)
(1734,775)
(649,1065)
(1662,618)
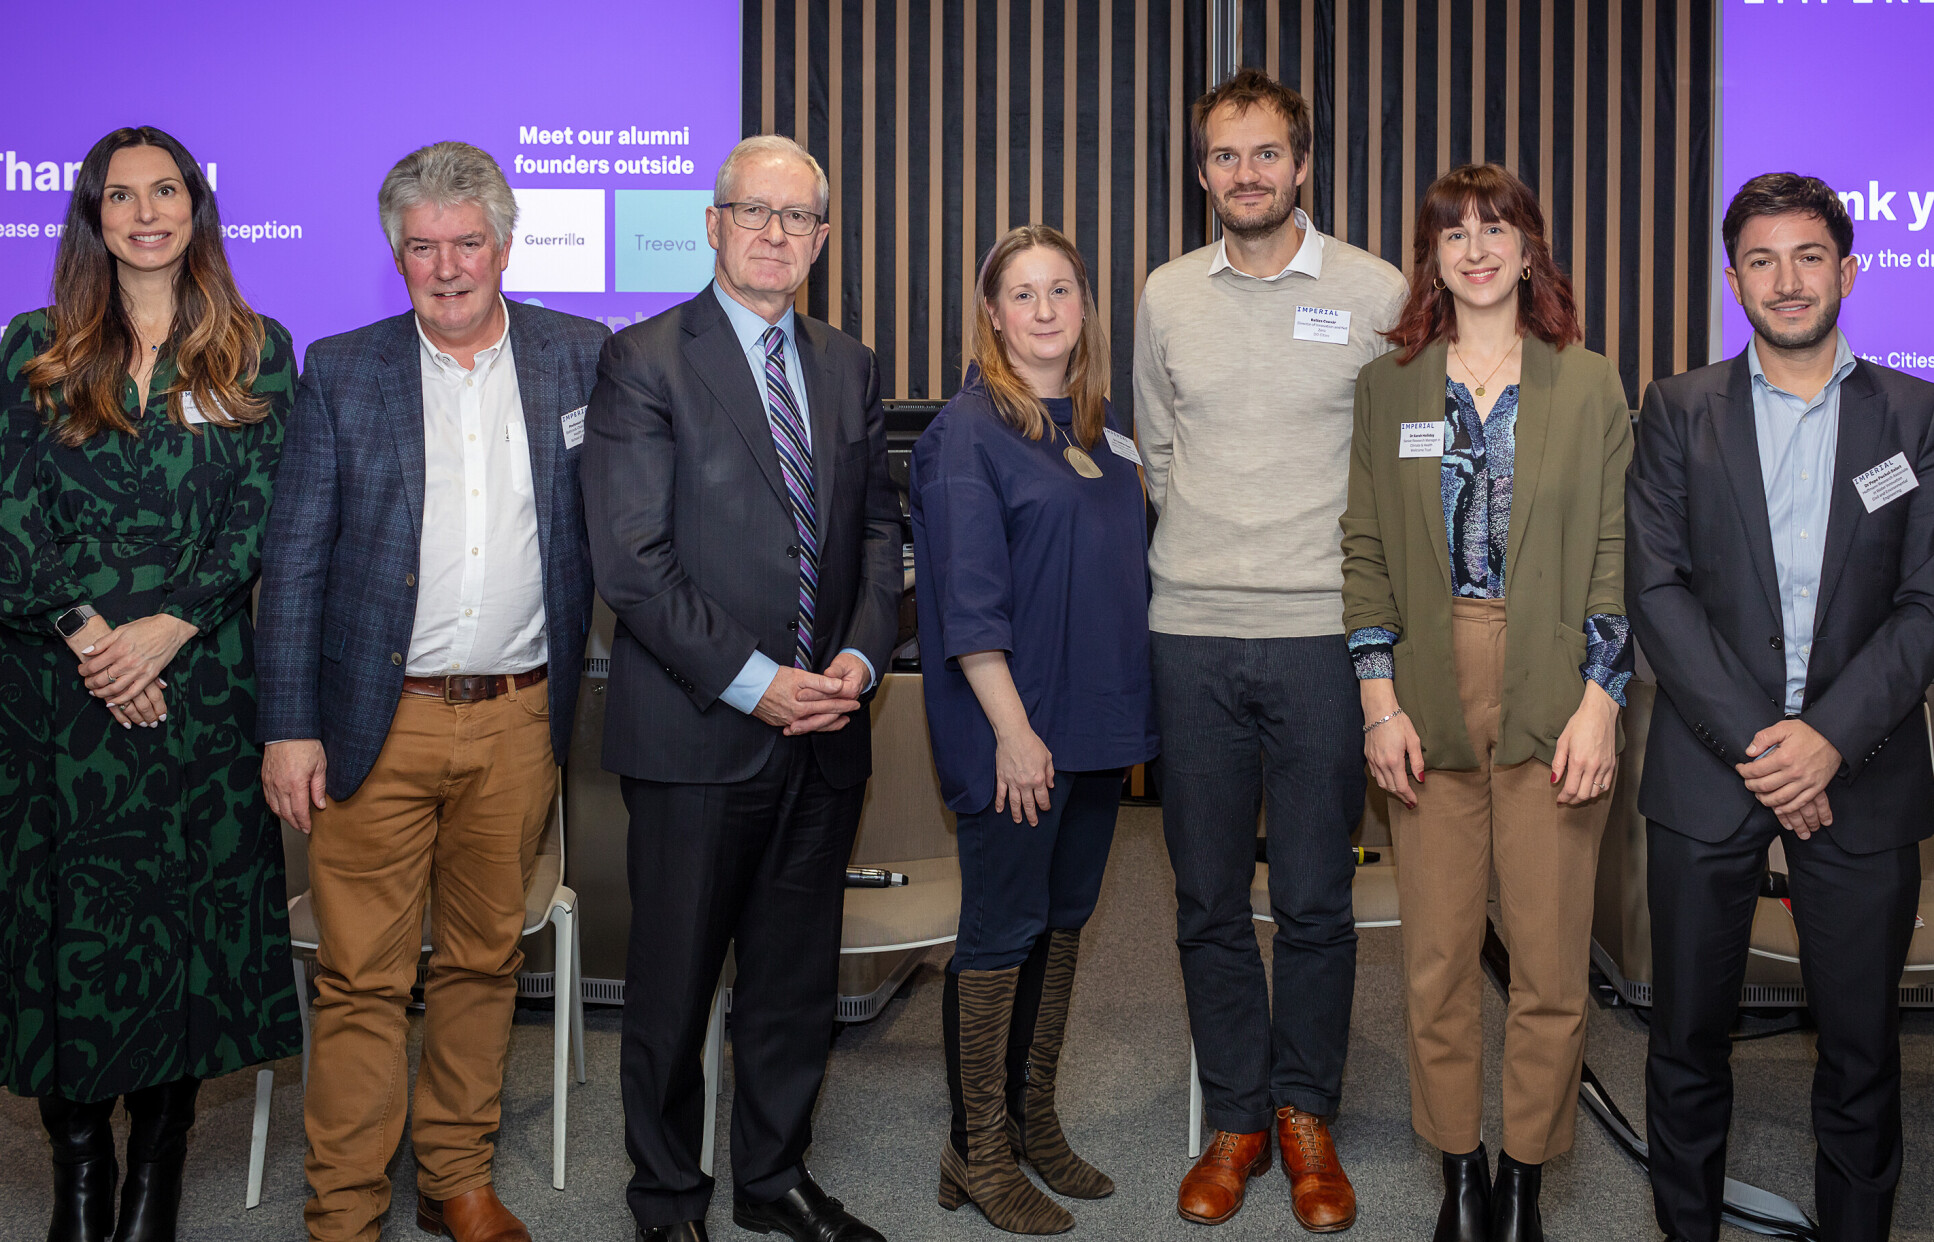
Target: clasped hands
(799,701)
(1790,765)
(123,664)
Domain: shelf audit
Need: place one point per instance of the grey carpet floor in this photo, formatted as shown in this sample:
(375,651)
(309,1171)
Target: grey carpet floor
(1125,1101)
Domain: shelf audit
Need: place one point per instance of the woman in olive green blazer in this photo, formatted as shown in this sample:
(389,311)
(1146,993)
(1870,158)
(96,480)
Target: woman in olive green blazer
(1489,446)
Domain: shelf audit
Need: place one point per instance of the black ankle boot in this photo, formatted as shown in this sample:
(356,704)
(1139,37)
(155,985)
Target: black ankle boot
(1514,1202)
(83,1142)
(158,1122)
(1466,1214)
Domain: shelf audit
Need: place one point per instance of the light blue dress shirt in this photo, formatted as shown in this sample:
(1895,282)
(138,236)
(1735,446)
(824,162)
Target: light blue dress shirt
(750,685)
(1798,440)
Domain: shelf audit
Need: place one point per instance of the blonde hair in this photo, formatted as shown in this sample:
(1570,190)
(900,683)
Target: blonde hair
(1018,404)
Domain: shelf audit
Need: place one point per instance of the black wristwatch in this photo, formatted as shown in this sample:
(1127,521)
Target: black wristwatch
(74,620)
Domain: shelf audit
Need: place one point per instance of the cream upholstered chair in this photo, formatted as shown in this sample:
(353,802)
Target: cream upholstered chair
(1373,900)
(906,827)
(547,900)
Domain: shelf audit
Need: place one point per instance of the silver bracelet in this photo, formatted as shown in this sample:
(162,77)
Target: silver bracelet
(1386,720)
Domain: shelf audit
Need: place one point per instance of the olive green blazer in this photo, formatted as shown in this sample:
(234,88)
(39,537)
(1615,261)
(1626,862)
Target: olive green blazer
(1565,560)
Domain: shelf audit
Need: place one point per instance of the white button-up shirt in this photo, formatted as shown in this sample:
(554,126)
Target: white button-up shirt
(480,575)
(1308,259)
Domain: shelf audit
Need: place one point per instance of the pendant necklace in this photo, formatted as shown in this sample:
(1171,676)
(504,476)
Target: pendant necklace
(1077,456)
(1479,390)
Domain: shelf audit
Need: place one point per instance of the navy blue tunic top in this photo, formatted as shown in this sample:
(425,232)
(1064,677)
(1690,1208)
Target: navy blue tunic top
(1013,551)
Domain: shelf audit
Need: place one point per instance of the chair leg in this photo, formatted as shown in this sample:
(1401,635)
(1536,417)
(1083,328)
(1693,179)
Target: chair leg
(564,920)
(1195,1105)
(302,1009)
(258,1144)
(577,996)
(714,1055)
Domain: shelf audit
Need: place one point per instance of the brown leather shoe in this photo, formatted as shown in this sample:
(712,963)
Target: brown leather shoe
(1319,1191)
(1212,1191)
(473,1216)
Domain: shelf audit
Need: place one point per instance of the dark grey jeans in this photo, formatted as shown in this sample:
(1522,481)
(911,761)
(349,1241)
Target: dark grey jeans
(1244,722)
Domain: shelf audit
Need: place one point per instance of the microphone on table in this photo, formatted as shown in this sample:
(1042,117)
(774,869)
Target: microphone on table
(874,877)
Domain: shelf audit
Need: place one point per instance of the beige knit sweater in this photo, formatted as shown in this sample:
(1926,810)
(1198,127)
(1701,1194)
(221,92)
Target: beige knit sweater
(1245,432)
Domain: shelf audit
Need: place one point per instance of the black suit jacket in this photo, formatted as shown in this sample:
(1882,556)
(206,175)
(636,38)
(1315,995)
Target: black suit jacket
(1704,599)
(693,546)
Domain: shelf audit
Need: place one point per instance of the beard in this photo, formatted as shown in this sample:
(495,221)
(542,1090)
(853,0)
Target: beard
(1800,336)
(1267,221)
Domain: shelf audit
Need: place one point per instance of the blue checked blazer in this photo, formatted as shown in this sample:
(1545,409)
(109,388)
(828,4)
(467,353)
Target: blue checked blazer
(340,559)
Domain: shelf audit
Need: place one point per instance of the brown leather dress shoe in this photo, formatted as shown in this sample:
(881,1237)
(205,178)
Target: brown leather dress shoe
(1212,1191)
(473,1216)
(1319,1191)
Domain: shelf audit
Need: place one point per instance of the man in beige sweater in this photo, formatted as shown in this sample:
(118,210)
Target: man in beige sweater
(1246,356)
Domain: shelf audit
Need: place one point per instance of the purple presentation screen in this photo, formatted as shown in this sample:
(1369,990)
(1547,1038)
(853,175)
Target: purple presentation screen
(609,119)
(1836,90)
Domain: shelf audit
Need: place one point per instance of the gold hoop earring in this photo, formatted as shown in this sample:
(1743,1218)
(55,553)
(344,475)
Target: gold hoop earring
(1437,283)
(1524,274)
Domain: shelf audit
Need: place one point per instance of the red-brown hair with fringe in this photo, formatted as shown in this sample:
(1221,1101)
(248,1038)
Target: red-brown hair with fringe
(1547,309)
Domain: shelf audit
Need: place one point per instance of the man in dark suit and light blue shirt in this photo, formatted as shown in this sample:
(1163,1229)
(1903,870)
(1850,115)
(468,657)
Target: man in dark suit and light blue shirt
(1780,577)
(746,534)
(425,568)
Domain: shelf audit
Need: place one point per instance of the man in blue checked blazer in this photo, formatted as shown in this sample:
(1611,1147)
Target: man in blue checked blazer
(426,590)
(746,534)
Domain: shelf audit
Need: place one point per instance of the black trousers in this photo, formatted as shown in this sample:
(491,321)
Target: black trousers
(1855,915)
(1246,721)
(1019,881)
(760,865)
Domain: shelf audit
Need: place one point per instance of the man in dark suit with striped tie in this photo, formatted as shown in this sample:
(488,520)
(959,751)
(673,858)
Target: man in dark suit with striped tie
(745,532)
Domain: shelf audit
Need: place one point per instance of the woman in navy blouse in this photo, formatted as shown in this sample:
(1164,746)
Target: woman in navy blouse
(1490,448)
(1030,541)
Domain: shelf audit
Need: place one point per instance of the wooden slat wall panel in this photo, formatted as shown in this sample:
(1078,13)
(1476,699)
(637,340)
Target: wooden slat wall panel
(943,122)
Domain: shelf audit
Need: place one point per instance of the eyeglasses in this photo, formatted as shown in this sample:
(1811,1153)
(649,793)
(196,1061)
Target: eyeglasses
(755,216)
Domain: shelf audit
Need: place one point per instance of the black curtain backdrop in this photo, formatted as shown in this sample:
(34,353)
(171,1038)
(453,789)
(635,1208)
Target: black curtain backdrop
(944,122)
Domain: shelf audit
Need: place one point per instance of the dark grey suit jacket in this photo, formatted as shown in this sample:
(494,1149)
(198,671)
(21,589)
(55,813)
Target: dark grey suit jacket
(693,546)
(340,559)
(1703,594)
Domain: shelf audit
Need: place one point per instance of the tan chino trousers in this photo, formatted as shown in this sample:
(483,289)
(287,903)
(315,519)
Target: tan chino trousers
(1466,827)
(457,804)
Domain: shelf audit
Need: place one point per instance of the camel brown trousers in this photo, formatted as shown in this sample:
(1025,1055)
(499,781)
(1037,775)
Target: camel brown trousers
(1467,827)
(457,804)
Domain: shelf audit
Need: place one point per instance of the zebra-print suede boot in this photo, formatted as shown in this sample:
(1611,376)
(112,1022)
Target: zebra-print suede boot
(976,1163)
(1033,1126)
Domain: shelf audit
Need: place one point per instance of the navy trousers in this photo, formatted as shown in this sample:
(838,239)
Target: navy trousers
(1018,881)
(1247,723)
(1855,914)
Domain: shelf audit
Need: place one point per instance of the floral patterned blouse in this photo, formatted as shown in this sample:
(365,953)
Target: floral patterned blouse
(1476,485)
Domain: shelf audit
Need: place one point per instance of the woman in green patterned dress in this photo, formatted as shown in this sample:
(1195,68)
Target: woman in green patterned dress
(143,926)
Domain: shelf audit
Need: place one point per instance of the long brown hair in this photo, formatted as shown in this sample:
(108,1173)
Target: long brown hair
(216,338)
(1546,307)
(1087,367)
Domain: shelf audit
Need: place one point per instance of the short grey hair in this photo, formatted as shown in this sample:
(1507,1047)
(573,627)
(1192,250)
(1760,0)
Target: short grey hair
(445,174)
(770,144)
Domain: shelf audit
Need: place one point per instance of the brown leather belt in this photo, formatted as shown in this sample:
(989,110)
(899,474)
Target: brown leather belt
(471,689)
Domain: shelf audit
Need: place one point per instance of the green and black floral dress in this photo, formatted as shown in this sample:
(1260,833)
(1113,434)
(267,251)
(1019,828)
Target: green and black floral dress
(143,920)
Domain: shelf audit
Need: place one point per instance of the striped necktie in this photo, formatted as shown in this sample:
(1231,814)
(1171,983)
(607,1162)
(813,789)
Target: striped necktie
(796,463)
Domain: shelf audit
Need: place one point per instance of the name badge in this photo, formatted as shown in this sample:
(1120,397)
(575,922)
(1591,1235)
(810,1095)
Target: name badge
(1320,323)
(190,412)
(1421,440)
(1886,483)
(1123,446)
(573,424)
